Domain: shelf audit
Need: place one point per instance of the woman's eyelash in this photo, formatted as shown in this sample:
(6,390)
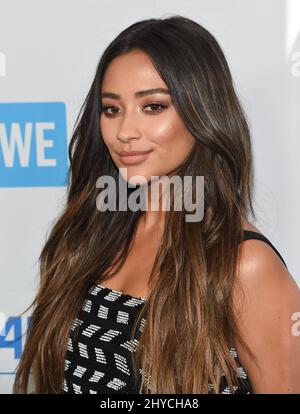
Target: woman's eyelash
(104,108)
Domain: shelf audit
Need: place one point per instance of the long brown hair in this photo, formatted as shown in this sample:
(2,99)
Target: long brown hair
(190,313)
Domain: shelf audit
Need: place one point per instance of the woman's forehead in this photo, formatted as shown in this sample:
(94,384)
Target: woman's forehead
(132,70)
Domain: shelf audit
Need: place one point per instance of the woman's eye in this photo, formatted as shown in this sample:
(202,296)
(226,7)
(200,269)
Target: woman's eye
(155,107)
(106,108)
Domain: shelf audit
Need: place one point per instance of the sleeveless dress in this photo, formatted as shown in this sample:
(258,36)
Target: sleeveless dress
(99,349)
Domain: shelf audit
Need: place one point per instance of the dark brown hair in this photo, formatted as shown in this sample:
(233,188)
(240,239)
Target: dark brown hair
(191,320)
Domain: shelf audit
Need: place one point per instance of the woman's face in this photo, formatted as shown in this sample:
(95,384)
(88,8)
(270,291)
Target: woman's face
(143,122)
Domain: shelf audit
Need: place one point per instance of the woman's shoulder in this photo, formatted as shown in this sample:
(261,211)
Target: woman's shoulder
(259,261)
(257,250)
(261,265)
(270,297)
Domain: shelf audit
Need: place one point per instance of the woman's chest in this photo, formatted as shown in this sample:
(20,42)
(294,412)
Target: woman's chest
(133,276)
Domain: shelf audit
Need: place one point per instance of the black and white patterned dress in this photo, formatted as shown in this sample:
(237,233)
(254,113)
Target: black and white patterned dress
(99,348)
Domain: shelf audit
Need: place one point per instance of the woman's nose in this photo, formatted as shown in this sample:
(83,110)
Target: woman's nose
(127,138)
(128,129)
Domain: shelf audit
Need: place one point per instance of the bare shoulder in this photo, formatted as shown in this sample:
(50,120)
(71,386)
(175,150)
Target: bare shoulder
(266,282)
(259,262)
(265,306)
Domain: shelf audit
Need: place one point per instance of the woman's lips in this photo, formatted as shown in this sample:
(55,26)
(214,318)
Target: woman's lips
(133,159)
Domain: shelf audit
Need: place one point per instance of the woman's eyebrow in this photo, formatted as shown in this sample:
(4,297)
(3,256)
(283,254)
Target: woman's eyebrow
(137,94)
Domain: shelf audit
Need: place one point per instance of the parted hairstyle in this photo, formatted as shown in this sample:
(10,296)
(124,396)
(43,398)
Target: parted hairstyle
(190,316)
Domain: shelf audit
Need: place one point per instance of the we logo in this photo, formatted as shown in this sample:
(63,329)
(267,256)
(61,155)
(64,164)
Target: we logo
(33,144)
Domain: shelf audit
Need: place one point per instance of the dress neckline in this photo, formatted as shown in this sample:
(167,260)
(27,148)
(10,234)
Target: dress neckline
(125,295)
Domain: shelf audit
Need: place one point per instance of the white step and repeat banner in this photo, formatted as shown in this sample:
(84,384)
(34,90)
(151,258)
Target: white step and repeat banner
(48,54)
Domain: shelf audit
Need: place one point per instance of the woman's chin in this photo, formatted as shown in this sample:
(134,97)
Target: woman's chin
(134,180)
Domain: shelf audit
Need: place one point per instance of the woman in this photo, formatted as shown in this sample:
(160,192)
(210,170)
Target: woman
(146,301)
